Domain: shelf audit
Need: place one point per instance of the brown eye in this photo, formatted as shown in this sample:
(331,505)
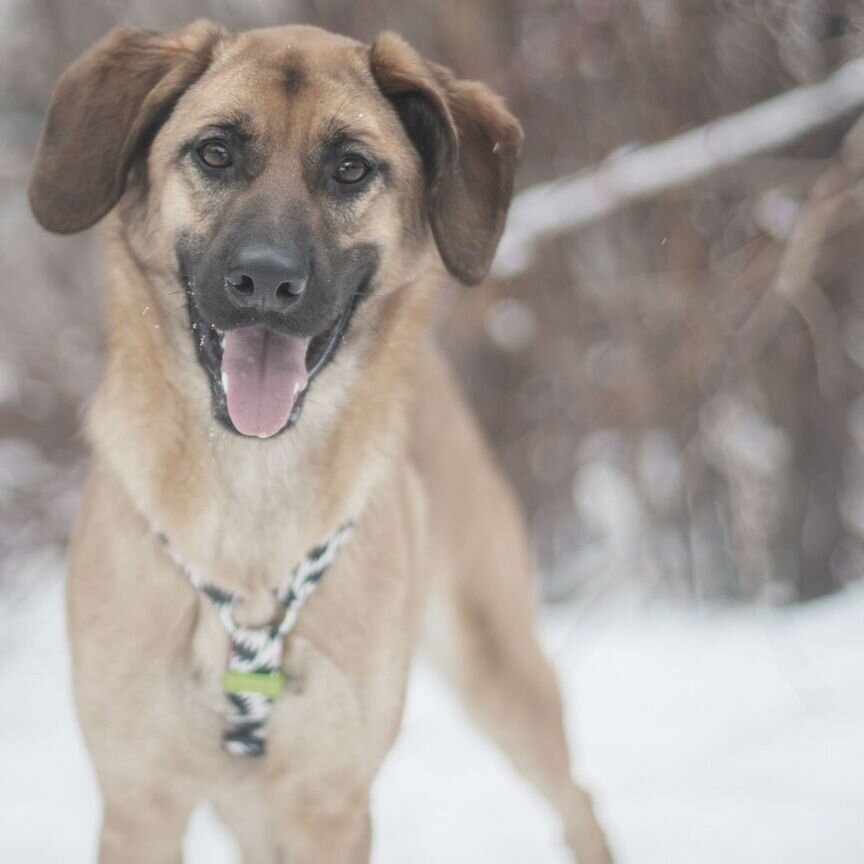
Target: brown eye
(215,154)
(352,169)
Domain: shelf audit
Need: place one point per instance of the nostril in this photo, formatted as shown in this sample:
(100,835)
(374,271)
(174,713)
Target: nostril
(242,285)
(289,289)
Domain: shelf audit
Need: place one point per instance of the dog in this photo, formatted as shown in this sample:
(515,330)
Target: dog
(286,490)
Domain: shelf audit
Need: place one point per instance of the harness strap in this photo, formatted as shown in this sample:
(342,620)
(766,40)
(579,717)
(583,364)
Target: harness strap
(254,679)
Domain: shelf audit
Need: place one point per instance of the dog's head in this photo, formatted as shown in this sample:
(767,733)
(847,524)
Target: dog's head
(276,178)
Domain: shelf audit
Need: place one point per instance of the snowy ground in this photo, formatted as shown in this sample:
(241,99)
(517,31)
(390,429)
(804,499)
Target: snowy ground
(723,737)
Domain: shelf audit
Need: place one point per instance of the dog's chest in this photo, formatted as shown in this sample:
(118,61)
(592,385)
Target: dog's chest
(255,676)
(318,703)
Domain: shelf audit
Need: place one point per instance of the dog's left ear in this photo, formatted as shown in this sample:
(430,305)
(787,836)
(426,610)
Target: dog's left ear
(105,110)
(469,143)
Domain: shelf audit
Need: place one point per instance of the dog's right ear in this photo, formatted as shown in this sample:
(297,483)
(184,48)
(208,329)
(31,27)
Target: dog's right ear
(469,143)
(104,112)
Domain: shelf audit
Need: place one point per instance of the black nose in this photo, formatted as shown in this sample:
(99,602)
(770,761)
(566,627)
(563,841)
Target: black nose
(267,279)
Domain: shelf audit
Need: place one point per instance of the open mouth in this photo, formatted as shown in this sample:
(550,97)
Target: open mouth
(259,376)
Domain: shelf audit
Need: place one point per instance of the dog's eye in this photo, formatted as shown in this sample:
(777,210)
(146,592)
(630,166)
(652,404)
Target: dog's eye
(215,154)
(352,169)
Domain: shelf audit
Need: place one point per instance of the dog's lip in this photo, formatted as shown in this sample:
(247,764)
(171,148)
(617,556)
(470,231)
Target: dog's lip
(210,343)
(320,346)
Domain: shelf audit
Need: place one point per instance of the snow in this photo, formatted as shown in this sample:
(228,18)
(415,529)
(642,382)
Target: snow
(720,736)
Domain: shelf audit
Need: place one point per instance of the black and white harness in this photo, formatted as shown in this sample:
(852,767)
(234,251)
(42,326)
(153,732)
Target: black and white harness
(254,679)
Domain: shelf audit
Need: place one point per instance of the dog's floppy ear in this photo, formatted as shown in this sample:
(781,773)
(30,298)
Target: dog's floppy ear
(469,143)
(106,108)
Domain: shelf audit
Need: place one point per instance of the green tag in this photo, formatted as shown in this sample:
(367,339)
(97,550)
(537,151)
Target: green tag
(271,685)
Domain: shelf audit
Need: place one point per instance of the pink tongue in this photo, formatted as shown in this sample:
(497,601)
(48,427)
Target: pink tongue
(262,373)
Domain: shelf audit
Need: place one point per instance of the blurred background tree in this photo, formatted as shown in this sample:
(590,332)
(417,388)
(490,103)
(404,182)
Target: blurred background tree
(664,414)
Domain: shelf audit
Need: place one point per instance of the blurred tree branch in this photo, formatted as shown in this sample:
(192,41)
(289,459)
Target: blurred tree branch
(562,205)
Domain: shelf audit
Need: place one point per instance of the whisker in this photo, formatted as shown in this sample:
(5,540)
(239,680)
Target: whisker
(176,310)
(374,328)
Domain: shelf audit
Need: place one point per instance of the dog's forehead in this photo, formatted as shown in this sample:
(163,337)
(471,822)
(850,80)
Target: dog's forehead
(296,37)
(297,52)
(279,75)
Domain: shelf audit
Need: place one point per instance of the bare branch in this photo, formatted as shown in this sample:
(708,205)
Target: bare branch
(557,207)
(796,281)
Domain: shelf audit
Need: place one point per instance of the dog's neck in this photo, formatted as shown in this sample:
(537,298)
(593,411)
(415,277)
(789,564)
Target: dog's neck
(243,511)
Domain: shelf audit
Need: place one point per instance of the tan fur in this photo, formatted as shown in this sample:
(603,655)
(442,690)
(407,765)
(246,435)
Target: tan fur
(384,437)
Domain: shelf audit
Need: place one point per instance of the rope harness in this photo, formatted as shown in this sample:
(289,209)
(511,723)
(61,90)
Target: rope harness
(254,679)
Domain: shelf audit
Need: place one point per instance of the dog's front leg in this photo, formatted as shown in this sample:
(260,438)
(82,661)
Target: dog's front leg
(326,834)
(144,828)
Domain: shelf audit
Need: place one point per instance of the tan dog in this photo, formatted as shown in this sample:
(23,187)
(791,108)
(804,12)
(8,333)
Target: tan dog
(282,202)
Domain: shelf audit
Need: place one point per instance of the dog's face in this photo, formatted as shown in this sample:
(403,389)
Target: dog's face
(276,180)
